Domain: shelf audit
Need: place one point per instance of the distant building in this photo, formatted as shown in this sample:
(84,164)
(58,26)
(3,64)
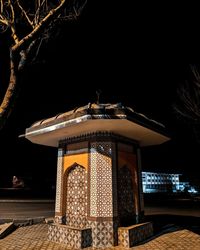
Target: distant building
(184,186)
(153,182)
(160,182)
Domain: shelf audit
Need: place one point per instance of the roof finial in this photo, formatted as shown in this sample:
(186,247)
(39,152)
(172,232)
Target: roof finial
(98,92)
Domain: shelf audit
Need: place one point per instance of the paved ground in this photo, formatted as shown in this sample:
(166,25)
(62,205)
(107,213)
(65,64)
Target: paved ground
(31,208)
(191,211)
(35,238)
(24,209)
(173,231)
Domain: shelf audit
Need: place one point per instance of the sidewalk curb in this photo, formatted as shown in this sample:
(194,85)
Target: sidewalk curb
(23,222)
(26,201)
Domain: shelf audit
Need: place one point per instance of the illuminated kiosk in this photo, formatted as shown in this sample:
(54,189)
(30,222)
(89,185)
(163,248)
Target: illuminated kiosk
(99,186)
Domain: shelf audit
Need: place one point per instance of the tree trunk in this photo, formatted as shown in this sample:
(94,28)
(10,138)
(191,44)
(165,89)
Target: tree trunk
(11,92)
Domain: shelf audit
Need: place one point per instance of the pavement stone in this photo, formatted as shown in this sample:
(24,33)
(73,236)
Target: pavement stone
(34,237)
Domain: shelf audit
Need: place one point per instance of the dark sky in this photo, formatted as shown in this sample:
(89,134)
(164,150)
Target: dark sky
(137,56)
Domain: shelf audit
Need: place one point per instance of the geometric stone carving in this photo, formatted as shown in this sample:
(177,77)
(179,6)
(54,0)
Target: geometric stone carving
(71,237)
(125,195)
(101,195)
(76,207)
(103,233)
(59,180)
(130,236)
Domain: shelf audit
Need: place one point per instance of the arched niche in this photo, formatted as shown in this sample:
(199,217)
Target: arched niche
(75,179)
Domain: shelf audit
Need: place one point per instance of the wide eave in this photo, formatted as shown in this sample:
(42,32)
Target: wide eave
(115,118)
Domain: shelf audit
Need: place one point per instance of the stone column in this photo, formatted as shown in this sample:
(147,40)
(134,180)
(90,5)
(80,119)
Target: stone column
(59,207)
(102,209)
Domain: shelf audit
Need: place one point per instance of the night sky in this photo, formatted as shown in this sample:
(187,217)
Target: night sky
(137,56)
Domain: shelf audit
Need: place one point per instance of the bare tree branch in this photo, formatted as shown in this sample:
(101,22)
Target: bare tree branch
(3,21)
(11,21)
(38,49)
(12,16)
(1,6)
(187,105)
(41,26)
(25,14)
(37,13)
(196,75)
(27,24)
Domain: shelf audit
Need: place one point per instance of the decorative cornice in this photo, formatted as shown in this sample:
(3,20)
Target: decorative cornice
(97,136)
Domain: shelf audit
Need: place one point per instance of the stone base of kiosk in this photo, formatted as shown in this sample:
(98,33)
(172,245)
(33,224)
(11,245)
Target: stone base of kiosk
(72,237)
(132,235)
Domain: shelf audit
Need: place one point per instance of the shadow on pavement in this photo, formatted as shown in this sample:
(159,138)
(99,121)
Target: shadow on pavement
(163,222)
